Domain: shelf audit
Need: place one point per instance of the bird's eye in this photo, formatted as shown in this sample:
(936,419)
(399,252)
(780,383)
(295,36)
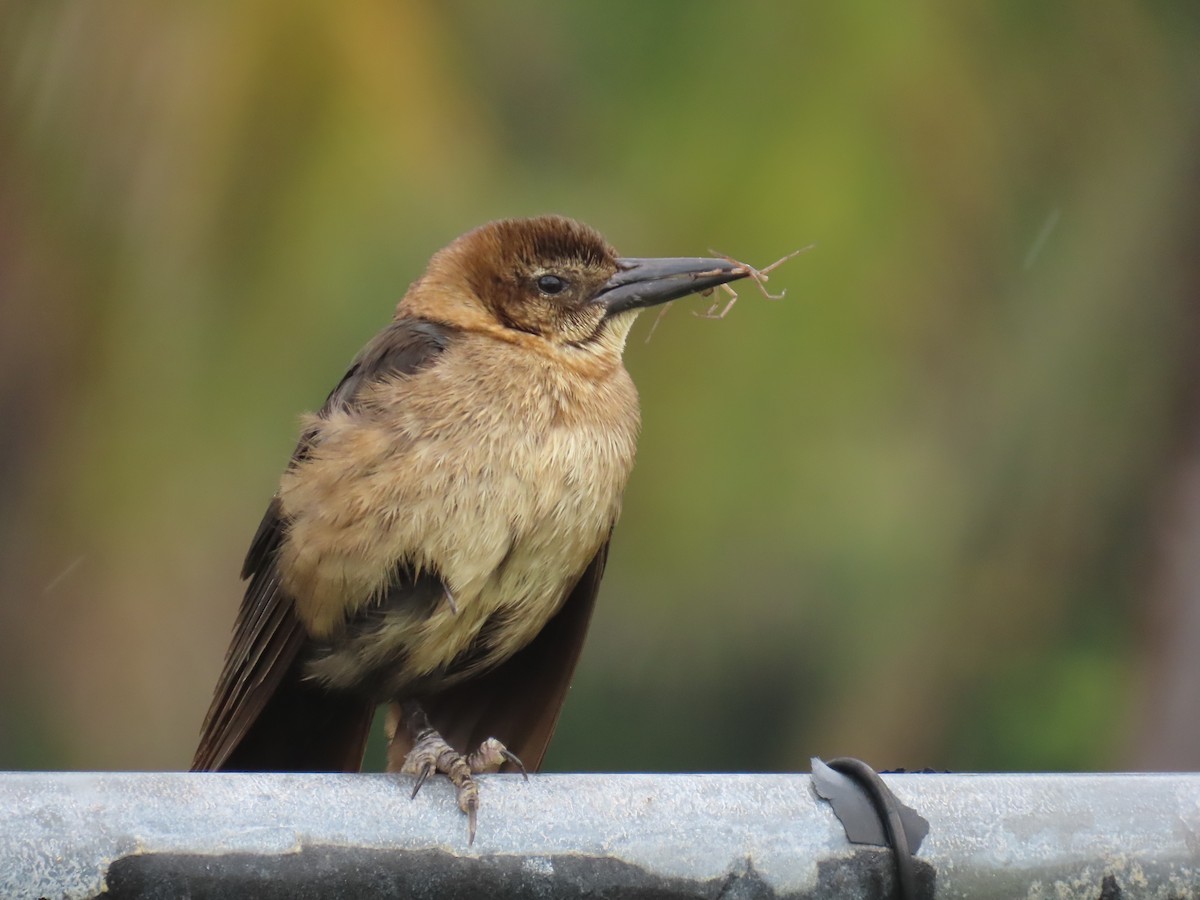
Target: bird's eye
(551,284)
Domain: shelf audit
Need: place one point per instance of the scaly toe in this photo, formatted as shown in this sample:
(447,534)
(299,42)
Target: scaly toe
(491,755)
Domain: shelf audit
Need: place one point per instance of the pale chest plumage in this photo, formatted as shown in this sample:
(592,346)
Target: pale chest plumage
(495,469)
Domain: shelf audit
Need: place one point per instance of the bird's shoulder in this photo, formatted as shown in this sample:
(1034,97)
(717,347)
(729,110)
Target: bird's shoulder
(404,347)
(407,345)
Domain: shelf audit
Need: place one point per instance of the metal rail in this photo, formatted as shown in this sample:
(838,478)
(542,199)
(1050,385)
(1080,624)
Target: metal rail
(731,836)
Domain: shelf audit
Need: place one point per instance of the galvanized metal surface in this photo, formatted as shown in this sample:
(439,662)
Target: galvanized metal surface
(174,834)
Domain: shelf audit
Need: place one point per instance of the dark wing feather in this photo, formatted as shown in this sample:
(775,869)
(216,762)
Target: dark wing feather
(519,701)
(264,716)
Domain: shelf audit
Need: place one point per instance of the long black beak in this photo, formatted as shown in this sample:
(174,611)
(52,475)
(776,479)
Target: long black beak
(640,283)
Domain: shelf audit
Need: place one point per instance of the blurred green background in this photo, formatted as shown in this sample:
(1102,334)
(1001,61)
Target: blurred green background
(938,507)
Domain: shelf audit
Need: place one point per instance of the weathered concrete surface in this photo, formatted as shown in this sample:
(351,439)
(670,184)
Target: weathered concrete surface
(731,836)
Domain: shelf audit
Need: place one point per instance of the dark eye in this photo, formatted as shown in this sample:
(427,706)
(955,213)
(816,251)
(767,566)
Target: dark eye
(551,284)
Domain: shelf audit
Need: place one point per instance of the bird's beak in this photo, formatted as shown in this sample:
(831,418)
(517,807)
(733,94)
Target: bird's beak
(639,283)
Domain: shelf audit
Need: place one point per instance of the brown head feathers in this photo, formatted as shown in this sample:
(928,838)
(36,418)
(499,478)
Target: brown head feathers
(527,276)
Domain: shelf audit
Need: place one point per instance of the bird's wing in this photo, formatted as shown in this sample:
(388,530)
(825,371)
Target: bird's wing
(519,701)
(263,715)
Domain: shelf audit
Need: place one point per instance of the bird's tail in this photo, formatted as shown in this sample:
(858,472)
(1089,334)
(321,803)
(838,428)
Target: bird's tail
(302,728)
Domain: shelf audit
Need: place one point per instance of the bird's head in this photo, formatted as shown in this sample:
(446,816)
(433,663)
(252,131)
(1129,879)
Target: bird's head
(553,280)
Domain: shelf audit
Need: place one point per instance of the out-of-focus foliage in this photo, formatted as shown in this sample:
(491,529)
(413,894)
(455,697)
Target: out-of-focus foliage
(907,512)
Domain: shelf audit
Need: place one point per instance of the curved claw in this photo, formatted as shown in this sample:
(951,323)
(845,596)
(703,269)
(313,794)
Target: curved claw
(512,759)
(426,771)
(468,802)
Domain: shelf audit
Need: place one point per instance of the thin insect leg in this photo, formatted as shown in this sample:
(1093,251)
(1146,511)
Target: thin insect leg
(757,275)
(739,269)
(711,313)
(733,298)
(761,275)
(654,326)
(779,262)
(707,292)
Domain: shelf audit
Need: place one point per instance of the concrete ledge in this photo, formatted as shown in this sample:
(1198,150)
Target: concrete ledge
(733,836)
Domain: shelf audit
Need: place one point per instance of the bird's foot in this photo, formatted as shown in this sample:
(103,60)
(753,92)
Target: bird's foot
(431,753)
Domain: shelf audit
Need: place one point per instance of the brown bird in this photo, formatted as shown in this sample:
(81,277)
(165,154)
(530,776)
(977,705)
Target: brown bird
(438,537)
